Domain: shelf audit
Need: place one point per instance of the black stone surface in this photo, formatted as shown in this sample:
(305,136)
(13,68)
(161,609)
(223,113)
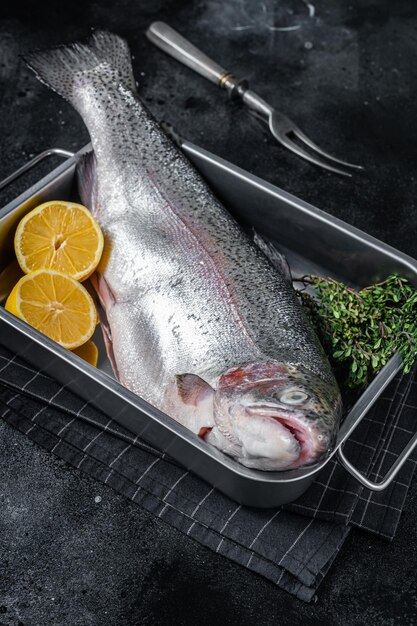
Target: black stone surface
(72,551)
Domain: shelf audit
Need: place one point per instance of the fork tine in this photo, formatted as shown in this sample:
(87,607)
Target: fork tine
(281,127)
(300,135)
(286,141)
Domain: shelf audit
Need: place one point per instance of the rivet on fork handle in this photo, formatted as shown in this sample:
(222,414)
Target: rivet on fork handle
(234,87)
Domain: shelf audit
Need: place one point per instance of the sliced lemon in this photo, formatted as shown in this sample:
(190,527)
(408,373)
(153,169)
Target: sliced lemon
(57,305)
(61,236)
(89,352)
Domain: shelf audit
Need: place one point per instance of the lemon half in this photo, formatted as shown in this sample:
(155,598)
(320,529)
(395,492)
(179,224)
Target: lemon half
(89,352)
(62,236)
(56,305)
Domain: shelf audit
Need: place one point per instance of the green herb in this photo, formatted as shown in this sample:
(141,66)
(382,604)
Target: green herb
(361,330)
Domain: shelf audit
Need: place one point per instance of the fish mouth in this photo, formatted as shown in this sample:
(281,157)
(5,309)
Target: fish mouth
(311,442)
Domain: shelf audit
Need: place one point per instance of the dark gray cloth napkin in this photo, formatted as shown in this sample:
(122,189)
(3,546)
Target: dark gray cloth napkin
(293,546)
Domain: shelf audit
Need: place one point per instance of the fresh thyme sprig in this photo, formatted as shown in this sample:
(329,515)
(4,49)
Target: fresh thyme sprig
(361,330)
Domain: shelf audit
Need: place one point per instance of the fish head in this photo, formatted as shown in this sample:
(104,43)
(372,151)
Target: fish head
(276,416)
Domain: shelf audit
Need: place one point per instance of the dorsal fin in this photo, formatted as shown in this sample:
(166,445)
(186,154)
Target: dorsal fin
(276,257)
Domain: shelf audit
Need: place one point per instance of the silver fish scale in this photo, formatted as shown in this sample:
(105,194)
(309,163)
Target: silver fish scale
(192,291)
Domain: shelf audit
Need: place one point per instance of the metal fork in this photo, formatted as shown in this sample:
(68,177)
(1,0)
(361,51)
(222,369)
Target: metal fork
(281,127)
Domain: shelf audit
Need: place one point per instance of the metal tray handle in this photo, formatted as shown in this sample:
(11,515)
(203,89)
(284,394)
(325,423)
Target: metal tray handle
(30,164)
(389,476)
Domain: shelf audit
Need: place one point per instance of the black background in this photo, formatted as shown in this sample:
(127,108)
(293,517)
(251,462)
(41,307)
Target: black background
(348,77)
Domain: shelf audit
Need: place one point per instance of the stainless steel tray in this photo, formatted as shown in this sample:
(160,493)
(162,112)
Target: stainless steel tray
(313,241)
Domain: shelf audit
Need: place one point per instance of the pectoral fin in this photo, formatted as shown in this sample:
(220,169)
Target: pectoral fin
(192,389)
(190,400)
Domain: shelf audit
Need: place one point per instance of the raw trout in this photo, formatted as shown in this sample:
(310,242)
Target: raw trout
(200,322)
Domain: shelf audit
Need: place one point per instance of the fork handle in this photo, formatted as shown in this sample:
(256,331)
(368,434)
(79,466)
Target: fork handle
(170,41)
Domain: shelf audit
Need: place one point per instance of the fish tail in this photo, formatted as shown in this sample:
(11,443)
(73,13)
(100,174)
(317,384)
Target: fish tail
(104,56)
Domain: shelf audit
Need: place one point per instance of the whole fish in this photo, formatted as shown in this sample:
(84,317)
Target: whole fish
(200,322)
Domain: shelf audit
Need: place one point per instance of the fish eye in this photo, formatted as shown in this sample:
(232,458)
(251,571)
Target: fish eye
(293,396)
